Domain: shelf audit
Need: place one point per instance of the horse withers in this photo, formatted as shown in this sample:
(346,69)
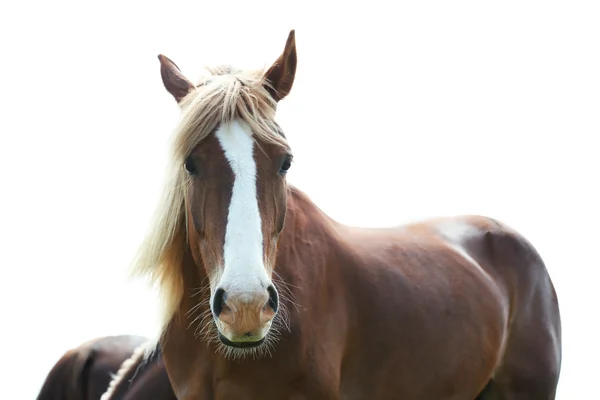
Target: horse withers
(267,297)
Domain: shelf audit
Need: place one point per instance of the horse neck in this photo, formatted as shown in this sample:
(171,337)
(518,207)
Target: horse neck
(306,227)
(307,245)
(306,248)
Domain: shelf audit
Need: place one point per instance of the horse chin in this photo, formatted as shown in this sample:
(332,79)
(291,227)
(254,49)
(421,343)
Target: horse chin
(241,344)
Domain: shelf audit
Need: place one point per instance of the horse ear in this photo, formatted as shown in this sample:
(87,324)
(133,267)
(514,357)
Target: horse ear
(280,76)
(175,83)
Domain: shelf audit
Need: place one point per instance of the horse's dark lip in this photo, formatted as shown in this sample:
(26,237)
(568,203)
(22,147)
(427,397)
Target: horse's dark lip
(240,345)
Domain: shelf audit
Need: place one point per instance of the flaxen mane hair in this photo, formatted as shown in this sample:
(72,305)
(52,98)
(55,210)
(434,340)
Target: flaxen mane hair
(224,95)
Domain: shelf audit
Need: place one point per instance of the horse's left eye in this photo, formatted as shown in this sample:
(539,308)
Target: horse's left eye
(285,165)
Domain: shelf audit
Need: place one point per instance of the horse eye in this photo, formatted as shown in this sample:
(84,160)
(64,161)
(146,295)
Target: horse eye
(285,165)
(190,166)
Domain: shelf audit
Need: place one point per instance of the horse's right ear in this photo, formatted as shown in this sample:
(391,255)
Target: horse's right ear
(175,83)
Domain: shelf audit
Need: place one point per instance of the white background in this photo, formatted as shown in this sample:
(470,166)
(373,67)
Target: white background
(399,112)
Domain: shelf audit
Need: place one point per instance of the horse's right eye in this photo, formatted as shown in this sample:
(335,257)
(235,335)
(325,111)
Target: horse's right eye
(190,166)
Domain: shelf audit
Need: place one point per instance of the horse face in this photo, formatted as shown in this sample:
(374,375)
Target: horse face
(236,210)
(236,199)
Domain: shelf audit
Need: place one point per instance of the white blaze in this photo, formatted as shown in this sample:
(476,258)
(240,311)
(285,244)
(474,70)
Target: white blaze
(243,249)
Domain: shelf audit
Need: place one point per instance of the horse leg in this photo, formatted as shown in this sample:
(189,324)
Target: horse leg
(496,391)
(531,364)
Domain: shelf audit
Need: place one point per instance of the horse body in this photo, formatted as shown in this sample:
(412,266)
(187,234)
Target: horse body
(108,367)
(84,372)
(425,311)
(266,297)
(457,302)
(140,378)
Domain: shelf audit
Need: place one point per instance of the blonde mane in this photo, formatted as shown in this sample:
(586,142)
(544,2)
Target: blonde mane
(224,95)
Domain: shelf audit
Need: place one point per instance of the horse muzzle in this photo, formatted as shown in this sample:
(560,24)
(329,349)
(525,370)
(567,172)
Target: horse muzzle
(244,318)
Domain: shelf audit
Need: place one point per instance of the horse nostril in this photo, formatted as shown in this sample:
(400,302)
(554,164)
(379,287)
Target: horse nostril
(273,298)
(219,302)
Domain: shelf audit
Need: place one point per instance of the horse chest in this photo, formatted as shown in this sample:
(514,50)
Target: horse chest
(273,388)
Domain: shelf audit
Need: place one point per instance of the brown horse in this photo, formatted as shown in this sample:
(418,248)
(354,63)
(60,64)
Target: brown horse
(266,297)
(85,371)
(108,366)
(141,378)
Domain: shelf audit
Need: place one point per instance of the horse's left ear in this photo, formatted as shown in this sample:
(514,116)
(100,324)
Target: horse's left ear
(280,76)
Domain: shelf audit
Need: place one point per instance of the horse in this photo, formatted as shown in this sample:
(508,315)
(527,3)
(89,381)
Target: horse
(264,296)
(141,378)
(84,372)
(110,366)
